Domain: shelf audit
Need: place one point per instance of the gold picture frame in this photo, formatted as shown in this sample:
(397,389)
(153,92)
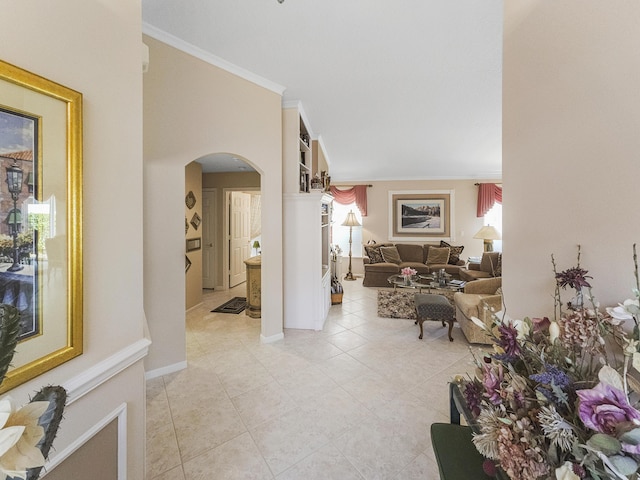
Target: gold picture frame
(41,137)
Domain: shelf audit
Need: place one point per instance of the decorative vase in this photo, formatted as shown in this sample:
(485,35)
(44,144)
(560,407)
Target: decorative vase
(407,280)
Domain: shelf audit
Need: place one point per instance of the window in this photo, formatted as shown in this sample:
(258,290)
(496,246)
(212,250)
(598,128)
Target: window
(341,234)
(494,217)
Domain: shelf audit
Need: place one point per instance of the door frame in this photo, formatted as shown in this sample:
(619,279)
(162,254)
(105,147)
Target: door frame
(214,227)
(226,193)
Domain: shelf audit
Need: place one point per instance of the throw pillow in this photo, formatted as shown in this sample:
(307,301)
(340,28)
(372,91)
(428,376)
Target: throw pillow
(373,252)
(390,255)
(497,271)
(454,253)
(489,263)
(499,291)
(438,255)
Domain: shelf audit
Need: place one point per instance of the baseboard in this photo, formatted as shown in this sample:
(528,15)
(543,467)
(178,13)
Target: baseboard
(198,305)
(121,414)
(272,338)
(158,372)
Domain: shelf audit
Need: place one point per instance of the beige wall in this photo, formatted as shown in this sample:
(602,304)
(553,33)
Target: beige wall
(94,48)
(570,149)
(222,182)
(376,224)
(193,278)
(191,109)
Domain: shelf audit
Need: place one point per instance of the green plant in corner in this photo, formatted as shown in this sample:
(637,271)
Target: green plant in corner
(26,434)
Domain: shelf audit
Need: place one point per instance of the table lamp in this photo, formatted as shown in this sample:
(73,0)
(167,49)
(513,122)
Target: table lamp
(351,221)
(488,233)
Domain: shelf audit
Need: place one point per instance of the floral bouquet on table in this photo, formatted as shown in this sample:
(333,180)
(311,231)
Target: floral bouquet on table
(408,272)
(556,398)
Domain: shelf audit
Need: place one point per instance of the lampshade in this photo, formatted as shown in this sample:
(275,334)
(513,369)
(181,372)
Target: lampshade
(488,232)
(351,220)
(256,244)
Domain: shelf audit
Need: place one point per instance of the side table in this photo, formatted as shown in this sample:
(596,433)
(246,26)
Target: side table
(254,286)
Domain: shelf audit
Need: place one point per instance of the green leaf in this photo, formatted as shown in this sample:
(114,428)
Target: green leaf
(606,444)
(9,331)
(631,437)
(625,465)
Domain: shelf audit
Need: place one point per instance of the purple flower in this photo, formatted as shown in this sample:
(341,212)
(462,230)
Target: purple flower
(575,277)
(604,407)
(508,341)
(552,376)
(492,382)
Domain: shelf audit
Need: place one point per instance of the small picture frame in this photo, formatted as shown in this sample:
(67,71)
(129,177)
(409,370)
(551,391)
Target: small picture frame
(195,220)
(194,244)
(190,200)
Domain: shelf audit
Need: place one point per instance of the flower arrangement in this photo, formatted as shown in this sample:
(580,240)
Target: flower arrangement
(556,398)
(408,272)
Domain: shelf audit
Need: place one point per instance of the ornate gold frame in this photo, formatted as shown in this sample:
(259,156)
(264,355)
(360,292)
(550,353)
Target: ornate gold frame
(36,88)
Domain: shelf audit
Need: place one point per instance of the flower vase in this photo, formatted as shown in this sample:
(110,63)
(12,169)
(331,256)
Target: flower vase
(407,280)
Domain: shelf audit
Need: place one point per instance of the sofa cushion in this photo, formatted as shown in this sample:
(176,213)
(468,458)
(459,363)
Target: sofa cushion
(471,275)
(438,255)
(390,255)
(373,252)
(410,252)
(454,252)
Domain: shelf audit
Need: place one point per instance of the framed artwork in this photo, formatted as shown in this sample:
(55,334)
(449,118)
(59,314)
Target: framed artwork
(195,221)
(190,200)
(193,244)
(417,215)
(40,219)
(187,264)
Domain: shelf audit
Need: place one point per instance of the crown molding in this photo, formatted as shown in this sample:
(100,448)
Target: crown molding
(188,48)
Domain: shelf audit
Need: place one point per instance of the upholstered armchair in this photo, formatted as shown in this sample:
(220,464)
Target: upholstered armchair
(479,299)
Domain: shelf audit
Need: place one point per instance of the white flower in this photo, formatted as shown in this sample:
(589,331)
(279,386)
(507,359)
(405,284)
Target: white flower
(521,327)
(554,331)
(565,472)
(625,311)
(19,435)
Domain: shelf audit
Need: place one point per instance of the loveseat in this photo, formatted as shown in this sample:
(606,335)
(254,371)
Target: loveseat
(382,260)
(490,266)
(479,299)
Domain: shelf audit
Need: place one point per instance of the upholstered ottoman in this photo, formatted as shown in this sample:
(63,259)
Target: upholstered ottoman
(434,307)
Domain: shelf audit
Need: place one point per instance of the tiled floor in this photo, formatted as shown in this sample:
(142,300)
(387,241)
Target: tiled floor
(353,401)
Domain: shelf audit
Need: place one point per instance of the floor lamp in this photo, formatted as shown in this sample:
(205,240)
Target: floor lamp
(350,222)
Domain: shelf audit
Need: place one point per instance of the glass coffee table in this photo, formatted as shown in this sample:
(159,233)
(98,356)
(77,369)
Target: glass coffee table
(426,282)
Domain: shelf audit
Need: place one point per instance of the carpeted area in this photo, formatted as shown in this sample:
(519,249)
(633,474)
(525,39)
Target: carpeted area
(235,305)
(399,303)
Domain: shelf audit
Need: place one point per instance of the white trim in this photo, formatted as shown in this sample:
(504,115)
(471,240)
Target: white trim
(211,59)
(324,150)
(99,373)
(158,372)
(194,307)
(272,338)
(121,414)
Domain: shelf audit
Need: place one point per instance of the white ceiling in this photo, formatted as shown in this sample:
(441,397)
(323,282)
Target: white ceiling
(404,89)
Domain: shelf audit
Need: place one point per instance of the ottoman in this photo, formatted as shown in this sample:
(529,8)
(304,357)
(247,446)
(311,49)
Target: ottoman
(434,307)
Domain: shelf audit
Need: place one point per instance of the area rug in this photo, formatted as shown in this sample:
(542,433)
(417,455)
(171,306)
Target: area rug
(399,303)
(235,305)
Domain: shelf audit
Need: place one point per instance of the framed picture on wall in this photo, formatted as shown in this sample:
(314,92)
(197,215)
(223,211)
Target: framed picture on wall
(416,215)
(194,244)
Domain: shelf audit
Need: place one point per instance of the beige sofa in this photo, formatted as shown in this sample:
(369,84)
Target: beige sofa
(479,299)
(377,270)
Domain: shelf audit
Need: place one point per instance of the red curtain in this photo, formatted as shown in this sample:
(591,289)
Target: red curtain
(357,194)
(488,194)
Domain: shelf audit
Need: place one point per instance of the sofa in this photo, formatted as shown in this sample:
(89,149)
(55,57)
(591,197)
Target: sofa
(382,260)
(479,299)
(490,266)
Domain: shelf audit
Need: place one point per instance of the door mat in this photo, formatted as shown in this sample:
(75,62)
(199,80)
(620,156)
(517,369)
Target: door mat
(235,305)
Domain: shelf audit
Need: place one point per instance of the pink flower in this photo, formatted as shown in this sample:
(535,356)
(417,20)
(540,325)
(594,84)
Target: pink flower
(408,271)
(604,407)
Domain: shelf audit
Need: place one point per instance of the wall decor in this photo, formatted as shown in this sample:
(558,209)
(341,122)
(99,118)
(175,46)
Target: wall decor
(187,264)
(190,200)
(416,215)
(195,220)
(41,211)
(186,225)
(193,244)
